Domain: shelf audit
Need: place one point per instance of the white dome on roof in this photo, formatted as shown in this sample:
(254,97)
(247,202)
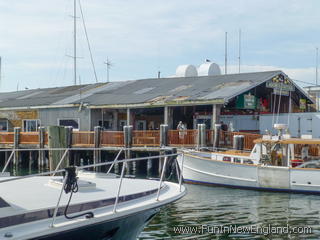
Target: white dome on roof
(186,71)
(209,69)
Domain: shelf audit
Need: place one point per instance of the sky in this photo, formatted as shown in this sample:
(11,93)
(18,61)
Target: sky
(143,37)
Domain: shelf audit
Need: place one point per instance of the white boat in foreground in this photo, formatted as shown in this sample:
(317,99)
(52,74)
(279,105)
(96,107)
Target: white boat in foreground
(271,165)
(109,207)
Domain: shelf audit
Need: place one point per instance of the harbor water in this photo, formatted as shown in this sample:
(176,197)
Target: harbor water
(224,213)
(205,211)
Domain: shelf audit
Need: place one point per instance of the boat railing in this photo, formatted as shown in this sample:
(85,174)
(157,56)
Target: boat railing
(112,164)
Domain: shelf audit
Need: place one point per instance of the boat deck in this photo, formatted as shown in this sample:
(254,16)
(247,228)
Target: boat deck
(37,193)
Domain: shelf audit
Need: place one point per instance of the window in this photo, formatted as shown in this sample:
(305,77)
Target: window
(31,125)
(106,124)
(3,125)
(74,123)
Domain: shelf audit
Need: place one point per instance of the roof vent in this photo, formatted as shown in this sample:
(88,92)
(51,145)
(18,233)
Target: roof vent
(209,69)
(186,71)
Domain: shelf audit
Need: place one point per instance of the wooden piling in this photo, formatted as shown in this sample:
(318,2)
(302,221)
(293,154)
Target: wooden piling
(16,143)
(164,135)
(238,142)
(216,139)
(201,136)
(41,158)
(127,134)
(68,132)
(97,140)
(56,139)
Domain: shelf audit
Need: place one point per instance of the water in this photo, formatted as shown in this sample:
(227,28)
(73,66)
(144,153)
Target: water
(204,208)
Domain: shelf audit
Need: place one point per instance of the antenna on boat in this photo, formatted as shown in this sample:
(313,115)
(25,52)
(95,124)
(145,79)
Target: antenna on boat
(109,65)
(226,53)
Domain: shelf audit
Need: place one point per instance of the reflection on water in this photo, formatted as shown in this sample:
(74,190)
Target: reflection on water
(206,207)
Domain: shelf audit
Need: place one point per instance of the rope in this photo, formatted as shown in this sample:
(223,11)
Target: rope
(71,187)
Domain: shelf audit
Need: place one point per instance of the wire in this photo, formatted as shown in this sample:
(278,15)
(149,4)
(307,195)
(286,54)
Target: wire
(89,47)
(305,82)
(273,107)
(289,109)
(279,102)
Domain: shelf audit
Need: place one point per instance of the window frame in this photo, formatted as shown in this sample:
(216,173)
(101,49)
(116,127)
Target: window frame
(74,129)
(25,126)
(7,127)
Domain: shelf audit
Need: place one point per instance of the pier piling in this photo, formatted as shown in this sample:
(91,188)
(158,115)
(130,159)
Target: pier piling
(238,142)
(216,139)
(97,140)
(201,136)
(41,155)
(164,135)
(16,143)
(127,133)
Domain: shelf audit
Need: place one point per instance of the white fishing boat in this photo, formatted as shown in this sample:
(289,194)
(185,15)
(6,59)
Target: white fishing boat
(87,206)
(274,164)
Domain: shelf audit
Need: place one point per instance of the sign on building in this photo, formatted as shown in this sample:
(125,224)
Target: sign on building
(281,85)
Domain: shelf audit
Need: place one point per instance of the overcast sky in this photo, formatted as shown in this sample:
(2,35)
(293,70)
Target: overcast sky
(144,37)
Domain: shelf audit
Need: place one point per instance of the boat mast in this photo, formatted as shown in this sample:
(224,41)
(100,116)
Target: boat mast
(75,41)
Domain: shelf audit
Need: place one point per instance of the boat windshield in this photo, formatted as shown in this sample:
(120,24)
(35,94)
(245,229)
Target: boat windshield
(3,203)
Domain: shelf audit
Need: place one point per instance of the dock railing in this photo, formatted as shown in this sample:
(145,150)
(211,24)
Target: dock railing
(148,138)
(140,138)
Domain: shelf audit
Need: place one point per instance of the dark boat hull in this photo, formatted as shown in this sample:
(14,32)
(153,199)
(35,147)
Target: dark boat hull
(124,228)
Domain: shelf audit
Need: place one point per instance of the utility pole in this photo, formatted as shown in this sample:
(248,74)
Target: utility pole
(226,53)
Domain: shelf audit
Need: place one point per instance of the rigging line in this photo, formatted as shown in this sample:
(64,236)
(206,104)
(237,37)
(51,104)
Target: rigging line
(279,103)
(305,82)
(289,109)
(89,47)
(273,107)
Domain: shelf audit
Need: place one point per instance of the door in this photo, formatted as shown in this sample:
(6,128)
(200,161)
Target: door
(141,124)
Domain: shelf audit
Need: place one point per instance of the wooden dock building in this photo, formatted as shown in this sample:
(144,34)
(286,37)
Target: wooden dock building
(97,113)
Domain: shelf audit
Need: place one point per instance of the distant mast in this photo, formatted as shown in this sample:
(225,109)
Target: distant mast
(317,65)
(226,53)
(239,50)
(75,41)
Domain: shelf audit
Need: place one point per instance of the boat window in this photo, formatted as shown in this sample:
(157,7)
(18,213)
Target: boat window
(247,161)
(254,149)
(227,159)
(237,160)
(3,203)
(310,165)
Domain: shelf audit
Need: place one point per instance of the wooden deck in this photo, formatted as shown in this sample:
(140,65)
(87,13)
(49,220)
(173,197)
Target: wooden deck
(149,138)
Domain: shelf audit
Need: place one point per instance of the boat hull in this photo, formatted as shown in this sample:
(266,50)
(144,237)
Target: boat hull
(124,228)
(204,170)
